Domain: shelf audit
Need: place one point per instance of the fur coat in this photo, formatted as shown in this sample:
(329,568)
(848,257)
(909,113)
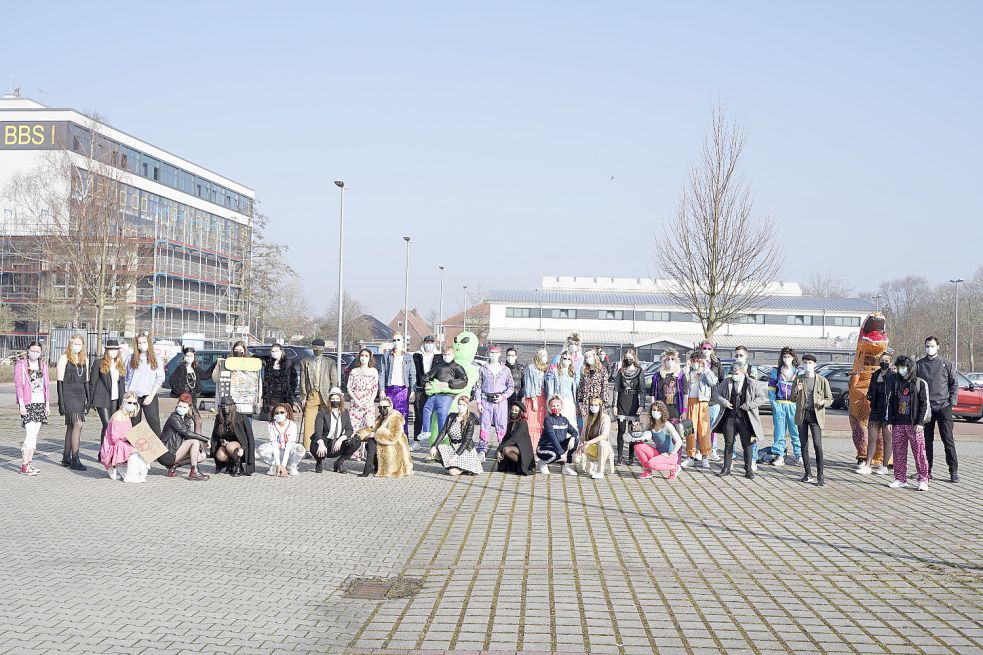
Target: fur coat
(392,448)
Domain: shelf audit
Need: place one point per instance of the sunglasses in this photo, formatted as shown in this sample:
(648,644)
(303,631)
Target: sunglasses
(280,414)
(131,405)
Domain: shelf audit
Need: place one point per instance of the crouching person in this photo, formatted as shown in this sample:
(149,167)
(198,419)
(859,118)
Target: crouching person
(387,450)
(558,441)
(233,445)
(116,450)
(281,453)
(182,442)
(333,434)
(597,440)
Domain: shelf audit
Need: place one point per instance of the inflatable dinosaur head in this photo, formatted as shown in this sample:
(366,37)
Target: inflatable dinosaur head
(873,328)
(465,348)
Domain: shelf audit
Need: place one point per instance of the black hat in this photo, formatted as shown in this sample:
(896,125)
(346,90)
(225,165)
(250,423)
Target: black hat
(112,343)
(428,339)
(228,400)
(318,342)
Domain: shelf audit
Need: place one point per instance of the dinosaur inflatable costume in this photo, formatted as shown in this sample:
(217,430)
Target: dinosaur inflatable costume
(465,348)
(871,344)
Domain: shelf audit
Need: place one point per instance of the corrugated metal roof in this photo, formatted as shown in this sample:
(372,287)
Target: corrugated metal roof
(613,298)
(683,339)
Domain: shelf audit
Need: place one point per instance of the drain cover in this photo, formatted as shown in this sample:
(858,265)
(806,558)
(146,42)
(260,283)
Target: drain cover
(382,588)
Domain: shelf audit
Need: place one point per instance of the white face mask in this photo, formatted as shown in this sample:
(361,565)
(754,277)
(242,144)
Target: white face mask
(363,359)
(656,414)
(428,347)
(510,359)
(787,360)
(397,345)
(573,348)
(741,357)
(903,371)
(493,357)
(448,359)
(594,409)
(931,350)
(280,418)
(589,358)
(189,359)
(142,346)
(462,407)
(181,410)
(738,377)
(706,353)
(276,354)
(76,348)
(810,367)
(33,356)
(696,366)
(113,354)
(130,407)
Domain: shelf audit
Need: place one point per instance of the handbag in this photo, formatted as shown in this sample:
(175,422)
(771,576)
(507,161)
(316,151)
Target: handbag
(686,428)
(592,450)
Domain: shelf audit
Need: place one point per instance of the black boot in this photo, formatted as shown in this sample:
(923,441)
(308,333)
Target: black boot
(319,466)
(75,464)
(66,459)
(724,471)
(728,460)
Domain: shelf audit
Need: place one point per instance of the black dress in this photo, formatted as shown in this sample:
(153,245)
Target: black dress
(73,393)
(628,388)
(518,436)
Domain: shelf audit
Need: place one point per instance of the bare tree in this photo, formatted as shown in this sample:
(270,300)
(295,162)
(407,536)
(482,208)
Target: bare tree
(355,328)
(825,284)
(721,258)
(292,314)
(267,272)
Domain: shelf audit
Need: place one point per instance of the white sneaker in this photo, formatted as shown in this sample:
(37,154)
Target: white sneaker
(706,463)
(882,470)
(293,471)
(481,457)
(922,486)
(779,462)
(113,474)
(863,469)
(421,443)
(754,466)
(897,484)
(600,476)
(272,471)
(799,461)
(569,470)
(688,462)
(543,468)
(698,457)
(714,457)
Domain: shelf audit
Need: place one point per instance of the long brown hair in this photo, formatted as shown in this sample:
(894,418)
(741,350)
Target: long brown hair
(592,426)
(151,355)
(662,407)
(107,362)
(371,358)
(82,359)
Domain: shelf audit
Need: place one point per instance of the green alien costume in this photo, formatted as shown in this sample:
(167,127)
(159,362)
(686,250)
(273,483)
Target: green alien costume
(465,348)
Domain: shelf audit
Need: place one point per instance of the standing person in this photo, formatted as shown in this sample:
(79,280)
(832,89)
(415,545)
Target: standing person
(33,401)
(561,382)
(115,449)
(516,453)
(183,441)
(670,386)
(282,452)
(576,357)
(447,376)
(281,381)
(455,448)
(780,387)
(534,393)
(107,384)
(701,381)
(559,440)
(318,374)
(593,383)
(186,379)
(629,398)
(908,410)
(73,398)
(397,379)
(238,349)
(606,362)
(387,451)
(518,376)
(363,387)
(753,375)
(233,444)
(738,398)
(144,377)
(494,390)
(706,348)
(660,445)
(812,395)
(597,437)
(943,392)
(878,430)
(334,435)
(423,362)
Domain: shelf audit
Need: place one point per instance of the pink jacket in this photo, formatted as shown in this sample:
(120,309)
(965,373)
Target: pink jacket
(22,381)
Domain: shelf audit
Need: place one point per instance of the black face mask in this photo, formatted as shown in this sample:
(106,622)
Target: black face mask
(884,366)
(238,353)
(336,403)
(383,411)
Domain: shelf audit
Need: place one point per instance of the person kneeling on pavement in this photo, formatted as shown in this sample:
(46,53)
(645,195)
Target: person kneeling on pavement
(387,450)
(282,453)
(182,442)
(333,434)
(233,444)
(560,439)
(455,447)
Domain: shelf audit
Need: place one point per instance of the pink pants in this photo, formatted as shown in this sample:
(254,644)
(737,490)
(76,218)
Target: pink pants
(650,458)
(901,436)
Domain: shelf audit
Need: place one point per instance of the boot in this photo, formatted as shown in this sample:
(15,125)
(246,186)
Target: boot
(728,460)
(76,465)
(319,466)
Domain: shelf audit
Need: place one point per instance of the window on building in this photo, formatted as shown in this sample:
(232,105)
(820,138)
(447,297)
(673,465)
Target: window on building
(654,316)
(758,319)
(843,321)
(798,319)
(611,314)
(562,313)
(518,312)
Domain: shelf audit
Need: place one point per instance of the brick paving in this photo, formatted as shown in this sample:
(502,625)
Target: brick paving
(507,564)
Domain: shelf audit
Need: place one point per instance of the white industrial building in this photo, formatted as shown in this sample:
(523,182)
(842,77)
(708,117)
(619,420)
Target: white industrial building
(639,313)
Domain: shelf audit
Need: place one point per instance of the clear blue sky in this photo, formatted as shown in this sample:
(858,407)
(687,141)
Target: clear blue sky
(498,127)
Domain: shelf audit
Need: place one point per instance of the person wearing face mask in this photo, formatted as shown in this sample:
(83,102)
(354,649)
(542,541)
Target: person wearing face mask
(660,445)
(879,432)
(186,379)
(318,374)
(812,395)
(596,444)
(233,444)
(670,386)
(281,380)
(238,349)
(456,449)
(943,394)
(629,399)
(908,410)
(515,452)
(700,381)
(715,365)
(115,449)
(107,384)
(31,392)
(781,385)
(73,398)
(144,377)
(397,378)
(740,356)
(282,452)
(576,357)
(423,362)
(494,390)
(334,435)
(387,451)
(363,388)
(183,442)
(739,399)
(559,440)
(606,362)
(561,381)
(593,384)
(445,379)
(534,395)
(518,375)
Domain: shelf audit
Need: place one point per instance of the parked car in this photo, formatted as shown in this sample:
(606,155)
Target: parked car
(969,406)
(975,378)
(839,380)
(206,359)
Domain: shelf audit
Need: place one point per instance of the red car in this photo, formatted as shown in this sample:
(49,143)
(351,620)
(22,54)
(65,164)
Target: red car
(970,405)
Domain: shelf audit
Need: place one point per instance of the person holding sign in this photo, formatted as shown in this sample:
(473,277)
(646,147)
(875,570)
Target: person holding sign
(233,445)
(281,453)
(116,450)
(182,442)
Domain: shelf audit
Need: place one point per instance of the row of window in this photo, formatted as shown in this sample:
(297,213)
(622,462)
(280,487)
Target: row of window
(151,168)
(685,317)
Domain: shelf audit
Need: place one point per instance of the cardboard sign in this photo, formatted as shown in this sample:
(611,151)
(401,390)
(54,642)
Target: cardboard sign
(241,378)
(145,442)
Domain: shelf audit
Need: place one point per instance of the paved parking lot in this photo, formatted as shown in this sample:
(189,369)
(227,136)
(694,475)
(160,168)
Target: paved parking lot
(537,565)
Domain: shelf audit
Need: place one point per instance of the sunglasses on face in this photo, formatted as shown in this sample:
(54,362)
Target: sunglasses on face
(130,405)
(280,414)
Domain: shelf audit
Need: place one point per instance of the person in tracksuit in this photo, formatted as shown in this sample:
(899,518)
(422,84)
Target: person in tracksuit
(559,440)
(781,385)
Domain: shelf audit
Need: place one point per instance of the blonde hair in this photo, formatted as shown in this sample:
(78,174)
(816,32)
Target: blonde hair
(79,360)
(107,362)
(559,364)
(129,395)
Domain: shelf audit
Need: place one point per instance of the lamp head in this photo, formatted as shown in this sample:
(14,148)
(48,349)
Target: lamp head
(340,184)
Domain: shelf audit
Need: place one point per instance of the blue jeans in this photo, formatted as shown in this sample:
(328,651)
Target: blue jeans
(783,416)
(441,402)
(714,412)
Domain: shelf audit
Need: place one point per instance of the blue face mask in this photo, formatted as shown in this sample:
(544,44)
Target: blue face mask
(181,411)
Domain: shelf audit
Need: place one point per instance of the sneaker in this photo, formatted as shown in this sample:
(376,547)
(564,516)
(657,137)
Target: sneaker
(778,461)
(863,469)
(675,472)
(882,470)
(113,474)
(922,486)
(600,476)
(272,471)
(647,473)
(706,463)
(481,456)
(698,456)
(293,471)
(714,457)
(26,469)
(569,470)
(31,470)
(808,479)
(799,461)
(543,468)
(754,466)
(897,484)
(688,462)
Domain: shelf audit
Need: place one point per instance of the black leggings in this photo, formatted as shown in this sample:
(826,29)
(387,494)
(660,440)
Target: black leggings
(622,426)
(151,414)
(104,414)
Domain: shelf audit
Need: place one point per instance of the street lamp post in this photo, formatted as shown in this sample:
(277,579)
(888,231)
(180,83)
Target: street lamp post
(465,308)
(440,311)
(877,301)
(955,347)
(406,297)
(341,269)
